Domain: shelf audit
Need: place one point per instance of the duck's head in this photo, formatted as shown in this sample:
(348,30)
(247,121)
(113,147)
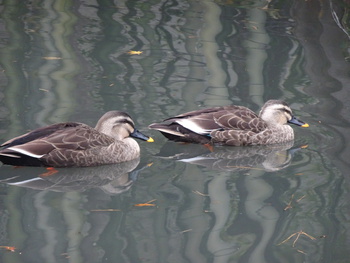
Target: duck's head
(277,112)
(119,125)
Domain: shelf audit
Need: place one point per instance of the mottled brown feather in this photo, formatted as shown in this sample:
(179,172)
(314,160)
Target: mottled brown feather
(231,125)
(76,144)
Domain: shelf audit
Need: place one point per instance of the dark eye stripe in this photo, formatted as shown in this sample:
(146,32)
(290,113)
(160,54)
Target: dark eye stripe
(286,110)
(125,121)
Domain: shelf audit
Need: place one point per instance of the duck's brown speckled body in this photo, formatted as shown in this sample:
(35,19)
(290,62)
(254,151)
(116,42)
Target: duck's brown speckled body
(232,125)
(76,144)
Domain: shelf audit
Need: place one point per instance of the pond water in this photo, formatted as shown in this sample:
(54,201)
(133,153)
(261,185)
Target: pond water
(71,61)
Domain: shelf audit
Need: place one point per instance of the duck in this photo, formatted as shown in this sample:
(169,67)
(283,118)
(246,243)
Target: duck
(74,144)
(232,125)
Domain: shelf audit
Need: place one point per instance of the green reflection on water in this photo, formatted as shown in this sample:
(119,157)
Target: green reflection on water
(195,54)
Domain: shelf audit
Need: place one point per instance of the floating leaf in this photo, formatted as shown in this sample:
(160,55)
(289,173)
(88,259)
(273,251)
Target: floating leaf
(105,210)
(289,205)
(133,52)
(52,58)
(12,249)
(299,233)
(44,90)
(301,198)
(147,203)
(144,204)
(300,251)
(199,193)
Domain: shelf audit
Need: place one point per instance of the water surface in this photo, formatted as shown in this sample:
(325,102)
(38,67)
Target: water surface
(66,61)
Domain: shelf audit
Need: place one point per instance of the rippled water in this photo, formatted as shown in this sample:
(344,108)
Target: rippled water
(66,61)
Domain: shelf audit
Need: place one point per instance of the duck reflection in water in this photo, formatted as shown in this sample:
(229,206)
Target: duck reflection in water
(268,157)
(112,179)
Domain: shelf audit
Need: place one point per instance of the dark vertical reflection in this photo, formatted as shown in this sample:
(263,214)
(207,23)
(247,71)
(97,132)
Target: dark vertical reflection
(13,86)
(112,39)
(323,43)
(12,55)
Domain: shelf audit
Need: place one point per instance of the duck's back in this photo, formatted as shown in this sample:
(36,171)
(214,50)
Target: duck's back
(232,125)
(202,126)
(56,145)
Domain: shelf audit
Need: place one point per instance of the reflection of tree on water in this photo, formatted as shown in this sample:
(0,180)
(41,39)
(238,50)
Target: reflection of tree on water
(236,197)
(196,53)
(112,179)
(247,205)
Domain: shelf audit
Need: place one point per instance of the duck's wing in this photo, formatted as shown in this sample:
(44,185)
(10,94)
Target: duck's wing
(39,133)
(202,126)
(199,122)
(73,136)
(239,118)
(219,118)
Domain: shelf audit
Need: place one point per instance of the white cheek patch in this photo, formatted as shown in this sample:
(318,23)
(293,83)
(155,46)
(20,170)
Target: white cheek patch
(193,126)
(25,152)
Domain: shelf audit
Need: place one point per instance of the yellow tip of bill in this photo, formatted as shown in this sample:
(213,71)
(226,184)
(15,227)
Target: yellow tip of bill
(150,139)
(305,125)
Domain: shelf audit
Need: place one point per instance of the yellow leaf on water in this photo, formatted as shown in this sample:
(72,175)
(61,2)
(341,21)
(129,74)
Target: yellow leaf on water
(147,203)
(133,52)
(144,205)
(51,58)
(105,210)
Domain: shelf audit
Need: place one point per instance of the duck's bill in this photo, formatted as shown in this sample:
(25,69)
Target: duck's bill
(295,121)
(141,136)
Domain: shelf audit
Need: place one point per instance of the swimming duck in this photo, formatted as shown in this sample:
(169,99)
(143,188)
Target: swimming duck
(76,144)
(232,125)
